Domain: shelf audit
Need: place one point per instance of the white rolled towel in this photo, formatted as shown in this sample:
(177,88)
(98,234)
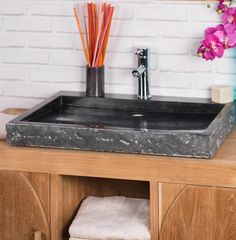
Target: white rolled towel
(112,218)
(4,119)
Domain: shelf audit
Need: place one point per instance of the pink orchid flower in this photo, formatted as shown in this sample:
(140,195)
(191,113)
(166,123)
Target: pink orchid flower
(221,37)
(230,30)
(205,52)
(212,30)
(229,15)
(211,47)
(221,7)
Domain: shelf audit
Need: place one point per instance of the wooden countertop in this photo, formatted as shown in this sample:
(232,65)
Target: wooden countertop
(219,171)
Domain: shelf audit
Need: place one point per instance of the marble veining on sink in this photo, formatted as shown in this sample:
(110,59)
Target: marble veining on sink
(160,126)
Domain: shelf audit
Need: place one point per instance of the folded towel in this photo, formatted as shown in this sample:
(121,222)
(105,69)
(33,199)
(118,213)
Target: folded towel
(77,239)
(112,218)
(4,119)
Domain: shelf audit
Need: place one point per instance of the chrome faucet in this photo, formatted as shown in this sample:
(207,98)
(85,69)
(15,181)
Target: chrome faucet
(142,73)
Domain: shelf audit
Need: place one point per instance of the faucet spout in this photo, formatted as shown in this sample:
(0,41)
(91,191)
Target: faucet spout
(142,74)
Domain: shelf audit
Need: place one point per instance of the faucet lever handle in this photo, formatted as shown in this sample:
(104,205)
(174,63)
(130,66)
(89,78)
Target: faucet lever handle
(138,72)
(139,51)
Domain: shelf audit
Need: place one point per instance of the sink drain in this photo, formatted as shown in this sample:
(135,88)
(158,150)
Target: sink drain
(137,115)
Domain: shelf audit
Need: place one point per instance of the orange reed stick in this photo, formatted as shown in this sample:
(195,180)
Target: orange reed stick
(102,27)
(98,38)
(105,10)
(93,27)
(106,39)
(104,34)
(81,35)
(85,25)
(90,31)
(95,20)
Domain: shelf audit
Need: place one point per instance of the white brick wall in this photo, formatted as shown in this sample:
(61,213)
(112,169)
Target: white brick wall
(41,52)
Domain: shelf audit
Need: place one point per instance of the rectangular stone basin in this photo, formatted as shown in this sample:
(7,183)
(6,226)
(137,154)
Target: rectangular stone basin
(160,126)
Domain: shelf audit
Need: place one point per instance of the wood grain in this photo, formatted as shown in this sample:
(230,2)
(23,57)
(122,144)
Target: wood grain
(219,171)
(42,190)
(201,213)
(14,111)
(168,194)
(56,207)
(38,235)
(21,210)
(154,210)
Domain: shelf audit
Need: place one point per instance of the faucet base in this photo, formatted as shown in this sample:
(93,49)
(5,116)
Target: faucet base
(144,97)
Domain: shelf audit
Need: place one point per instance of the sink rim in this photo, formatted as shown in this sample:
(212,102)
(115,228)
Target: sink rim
(212,127)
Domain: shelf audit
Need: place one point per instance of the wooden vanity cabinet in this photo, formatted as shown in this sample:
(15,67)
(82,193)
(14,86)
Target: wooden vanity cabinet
(36,206)
(24,206)
(196,213)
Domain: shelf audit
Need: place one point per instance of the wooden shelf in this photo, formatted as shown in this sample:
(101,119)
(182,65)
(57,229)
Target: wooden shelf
(75,189)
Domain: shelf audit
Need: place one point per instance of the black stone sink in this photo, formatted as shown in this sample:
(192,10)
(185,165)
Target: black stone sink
(161,126)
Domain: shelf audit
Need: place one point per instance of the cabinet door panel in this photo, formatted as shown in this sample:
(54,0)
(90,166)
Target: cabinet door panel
(197,213)
(24,205)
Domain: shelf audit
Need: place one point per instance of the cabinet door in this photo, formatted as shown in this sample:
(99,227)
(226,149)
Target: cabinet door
(24,206)
(197,213)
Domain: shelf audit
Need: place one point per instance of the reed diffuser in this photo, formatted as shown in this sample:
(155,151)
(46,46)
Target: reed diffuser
(94,25)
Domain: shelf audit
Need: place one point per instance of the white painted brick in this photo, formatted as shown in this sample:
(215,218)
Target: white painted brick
(77,42)
(120,45)
(127,61)
(7,8)
(225,65)
(52,41)
(44,33)
(28,24)
(1,92)
(121,61)
(115,45)
(10,73)
(120,77)
(68,58)
(18,102)
(161,12)
(170,80)
(51,8)
(38,90)
(133,29)
(229,79)
(188,93)
(200,13)
(123,11)
(12,40)
(65,25)
(25,56)
(124,89)
(194,45)
(182,30)
(1,23)
(184,64)
(57,74)
(165,45)
(202,81)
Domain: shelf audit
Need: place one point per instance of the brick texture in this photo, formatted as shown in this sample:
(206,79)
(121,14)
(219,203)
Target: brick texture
(41,52)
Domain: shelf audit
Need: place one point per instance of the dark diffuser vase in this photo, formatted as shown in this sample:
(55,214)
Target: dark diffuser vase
(95,81)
